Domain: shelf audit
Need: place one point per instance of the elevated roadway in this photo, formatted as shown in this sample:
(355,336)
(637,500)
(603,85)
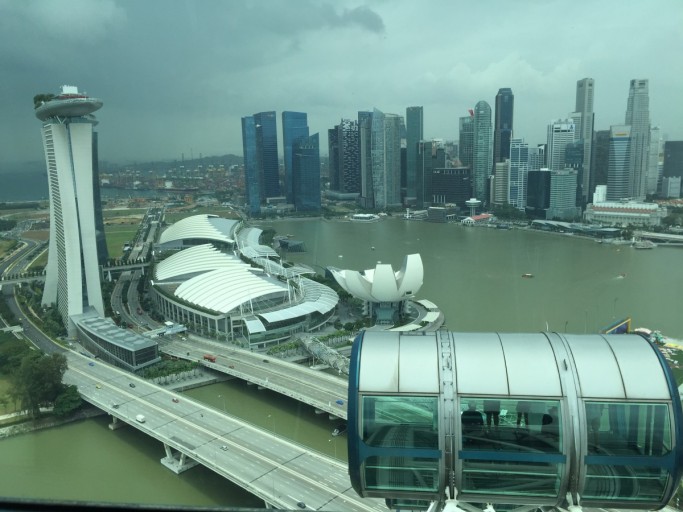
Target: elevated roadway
(323,391)
(282,473)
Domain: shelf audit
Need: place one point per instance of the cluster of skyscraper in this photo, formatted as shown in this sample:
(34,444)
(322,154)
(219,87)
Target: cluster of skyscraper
(301,186)
(384,161)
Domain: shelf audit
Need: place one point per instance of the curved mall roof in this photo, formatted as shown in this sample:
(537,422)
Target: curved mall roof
(197,259)
(382,284)
(206,227)
(223,290)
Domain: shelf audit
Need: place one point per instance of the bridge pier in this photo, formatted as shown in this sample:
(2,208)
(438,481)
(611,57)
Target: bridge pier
(116,424)
(177,462)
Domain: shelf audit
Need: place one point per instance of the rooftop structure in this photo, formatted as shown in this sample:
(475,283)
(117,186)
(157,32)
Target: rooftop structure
(199,229)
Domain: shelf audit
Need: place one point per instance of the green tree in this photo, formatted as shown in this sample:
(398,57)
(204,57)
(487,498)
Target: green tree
(68,401)
(38,381)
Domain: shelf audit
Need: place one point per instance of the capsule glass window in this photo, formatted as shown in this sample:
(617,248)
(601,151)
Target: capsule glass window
(400,421)
(511,446)
(627,448)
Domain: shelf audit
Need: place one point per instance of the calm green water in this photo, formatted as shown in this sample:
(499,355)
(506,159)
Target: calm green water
(472,274)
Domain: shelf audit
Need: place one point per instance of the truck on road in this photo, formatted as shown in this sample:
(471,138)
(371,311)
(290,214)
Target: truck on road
(209,357)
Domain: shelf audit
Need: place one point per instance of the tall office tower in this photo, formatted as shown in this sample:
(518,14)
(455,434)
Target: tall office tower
(294,126)
(365,157)
(619,182)
(430,155)
(573,159)
(100,237)
(585,92)
(502,132)
(560,133)
(538,193)
(482,149)
(519,168)
(466,141)
(653,167)
(500,185)
(563,195)
(386,159)
(537,158)
(599,159)
(638,117)
(451,185)
(334,163)
(253,180)
(673,159)
(72,279)
(414,134)
(343,155)
(306,173)
(267,163)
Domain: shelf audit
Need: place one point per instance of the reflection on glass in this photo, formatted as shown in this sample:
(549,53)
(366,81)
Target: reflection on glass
(401,474)
(625,444)
(405,422)
(511,446)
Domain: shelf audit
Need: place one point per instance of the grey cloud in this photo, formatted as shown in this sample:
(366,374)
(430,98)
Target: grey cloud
(364,17)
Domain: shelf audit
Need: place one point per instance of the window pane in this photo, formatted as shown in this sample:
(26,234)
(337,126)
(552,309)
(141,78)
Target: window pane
(625,483)
(400,421)
(511,425)
(628,428)
(511,478)
(401,473)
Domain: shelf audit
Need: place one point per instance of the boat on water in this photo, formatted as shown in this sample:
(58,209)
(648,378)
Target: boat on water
(528,276)
(644,244)
(364,217)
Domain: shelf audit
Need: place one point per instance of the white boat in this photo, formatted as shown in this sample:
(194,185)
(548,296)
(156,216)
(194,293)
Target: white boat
(644,244)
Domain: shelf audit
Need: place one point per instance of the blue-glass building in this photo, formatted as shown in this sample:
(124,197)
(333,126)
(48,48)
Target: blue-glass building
(306,173)
(266,154)
(294,126)
(252,180)
(502,133)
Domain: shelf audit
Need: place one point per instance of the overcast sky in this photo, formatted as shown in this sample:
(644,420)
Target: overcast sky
(176,76)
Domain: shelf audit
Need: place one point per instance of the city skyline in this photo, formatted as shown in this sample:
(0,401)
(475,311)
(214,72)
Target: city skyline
(182,91)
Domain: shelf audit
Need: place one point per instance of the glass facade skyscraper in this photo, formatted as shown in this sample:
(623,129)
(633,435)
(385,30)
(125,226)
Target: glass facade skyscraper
(560,133)
(344,160)
(519,168)
(585,92)
(252,178)
(638,117)
(482,150)
(466,141)
(306,173)
(505,102)
(294,126)
(414,134)
(268,164)
(618,172)
(386,159)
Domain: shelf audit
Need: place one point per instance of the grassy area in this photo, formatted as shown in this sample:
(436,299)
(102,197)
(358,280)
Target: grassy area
(117,235)
(125,212)
(39,235)
(5,246)
(40,261)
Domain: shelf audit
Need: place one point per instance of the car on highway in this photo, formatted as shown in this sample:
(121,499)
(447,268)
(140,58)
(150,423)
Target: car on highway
(98,385)
(131,384)
(91,363)
(115,406)
(224,448)
(174,400)
(301,504)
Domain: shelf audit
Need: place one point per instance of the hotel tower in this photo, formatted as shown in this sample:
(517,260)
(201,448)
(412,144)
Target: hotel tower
(72,280)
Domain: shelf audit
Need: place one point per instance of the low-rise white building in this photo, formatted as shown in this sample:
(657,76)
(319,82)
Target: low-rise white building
(625,213)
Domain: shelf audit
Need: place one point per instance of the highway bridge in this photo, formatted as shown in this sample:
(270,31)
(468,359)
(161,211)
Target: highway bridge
(660,238)
(320,390)
(285,475)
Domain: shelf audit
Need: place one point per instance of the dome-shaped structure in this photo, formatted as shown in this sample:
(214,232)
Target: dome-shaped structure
(199,227)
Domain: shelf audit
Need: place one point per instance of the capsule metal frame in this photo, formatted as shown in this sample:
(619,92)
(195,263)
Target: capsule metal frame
(598,419)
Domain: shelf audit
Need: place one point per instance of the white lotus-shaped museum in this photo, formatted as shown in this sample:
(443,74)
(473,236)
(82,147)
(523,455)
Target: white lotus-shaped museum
(382,284)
